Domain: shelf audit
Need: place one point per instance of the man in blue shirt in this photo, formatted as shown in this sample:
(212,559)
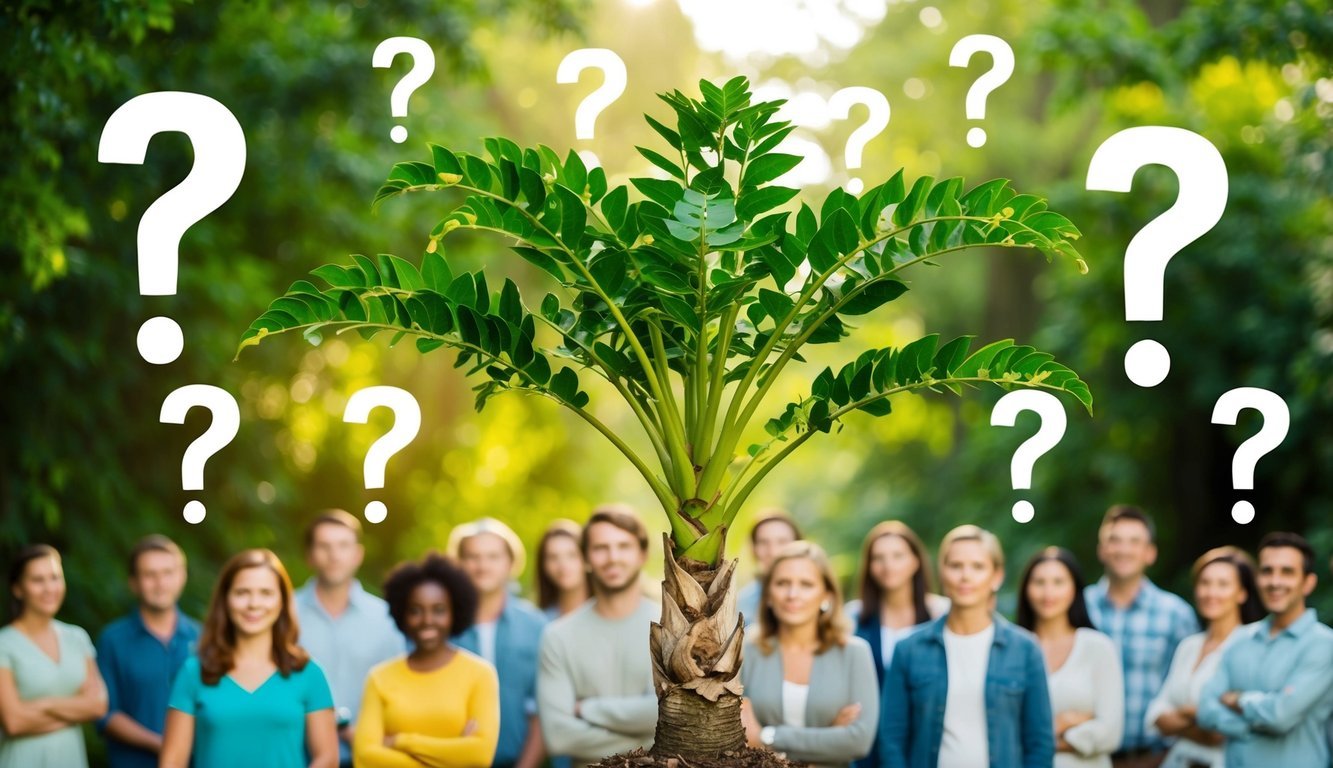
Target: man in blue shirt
(139,655)
(1146,622)
(507,633)
(345,629)
(1273,691)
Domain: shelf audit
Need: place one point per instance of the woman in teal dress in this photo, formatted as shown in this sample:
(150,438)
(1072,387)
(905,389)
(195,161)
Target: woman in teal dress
(49,682)
(251,696)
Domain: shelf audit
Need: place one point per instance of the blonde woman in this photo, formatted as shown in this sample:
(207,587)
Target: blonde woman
(810,683)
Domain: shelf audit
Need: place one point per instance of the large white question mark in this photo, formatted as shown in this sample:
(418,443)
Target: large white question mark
(1053,422)
(219,164)
(995,77)
(613,69)
(1202,199)
(226,423)
(1277,421)
(423,66)
(840,107)
(406,424)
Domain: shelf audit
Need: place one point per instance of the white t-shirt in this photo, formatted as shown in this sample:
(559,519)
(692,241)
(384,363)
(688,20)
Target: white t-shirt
(967,658)
(486,640)
(793,703)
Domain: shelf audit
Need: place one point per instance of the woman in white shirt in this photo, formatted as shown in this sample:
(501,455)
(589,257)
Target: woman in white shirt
(809,683)
(1082,665)
(1226,597)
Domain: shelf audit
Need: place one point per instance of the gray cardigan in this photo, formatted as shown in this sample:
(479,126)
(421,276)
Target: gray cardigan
(839,676)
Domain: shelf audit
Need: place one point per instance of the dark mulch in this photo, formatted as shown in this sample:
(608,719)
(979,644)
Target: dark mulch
(746,758)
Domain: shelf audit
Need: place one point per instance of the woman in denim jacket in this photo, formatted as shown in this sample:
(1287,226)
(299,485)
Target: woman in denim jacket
(968,689)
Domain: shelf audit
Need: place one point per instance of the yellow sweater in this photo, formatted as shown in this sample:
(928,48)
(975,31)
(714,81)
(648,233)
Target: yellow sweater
(426,712)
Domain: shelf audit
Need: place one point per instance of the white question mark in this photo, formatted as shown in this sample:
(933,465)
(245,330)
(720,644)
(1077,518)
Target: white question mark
(423,66)
(840,107)
(613,68)
(1053,422)
(219,164)
(406,424)
(995,77)
(1277,421)
(1202,199)
(226,423)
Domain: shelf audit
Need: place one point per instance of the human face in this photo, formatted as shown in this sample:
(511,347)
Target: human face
(41,588)
(1218,592)
(429,616)
(614,558)
(563,563)
(770,537)
(159,578)
(1050,590)
(254,601)
(486,560)
(970,577)
(892,564)
(1283,582)
(1125,549)
(335,554)
(796,591)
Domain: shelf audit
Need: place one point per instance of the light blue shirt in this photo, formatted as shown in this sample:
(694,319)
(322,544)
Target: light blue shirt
(1286,685)
(747,601)
(348,647)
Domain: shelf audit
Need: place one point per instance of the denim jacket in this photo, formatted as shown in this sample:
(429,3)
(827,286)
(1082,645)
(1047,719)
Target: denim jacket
(1018,707)
(517,640)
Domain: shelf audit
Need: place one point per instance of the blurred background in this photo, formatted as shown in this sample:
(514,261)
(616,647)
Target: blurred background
(86,465)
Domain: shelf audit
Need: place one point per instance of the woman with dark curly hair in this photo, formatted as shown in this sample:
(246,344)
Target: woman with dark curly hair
(405,721)
(251,696)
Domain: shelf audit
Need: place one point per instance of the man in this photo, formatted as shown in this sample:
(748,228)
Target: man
(346,630)
(771,532)
(139,654)
(1273,691)
(1146,623)
(507,633)
(595,679)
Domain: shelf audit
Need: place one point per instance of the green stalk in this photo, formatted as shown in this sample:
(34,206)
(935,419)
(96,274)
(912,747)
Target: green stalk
(675,436)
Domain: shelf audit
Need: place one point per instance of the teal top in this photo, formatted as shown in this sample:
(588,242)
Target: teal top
(37,675)
(263,728)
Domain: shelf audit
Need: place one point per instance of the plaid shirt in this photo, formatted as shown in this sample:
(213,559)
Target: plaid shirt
(1147,633)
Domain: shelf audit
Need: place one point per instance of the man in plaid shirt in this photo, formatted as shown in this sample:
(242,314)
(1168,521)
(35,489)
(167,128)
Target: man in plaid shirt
(1146,623)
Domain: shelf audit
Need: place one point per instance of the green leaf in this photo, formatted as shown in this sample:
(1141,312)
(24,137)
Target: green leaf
(767,168)
(760,201)
(663,163)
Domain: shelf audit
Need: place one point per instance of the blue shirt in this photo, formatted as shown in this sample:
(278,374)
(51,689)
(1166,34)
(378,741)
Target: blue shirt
(263,728)
(517,645)
(1019,724)
(747,601)
(1147,633)
(138,668)
(1286,685)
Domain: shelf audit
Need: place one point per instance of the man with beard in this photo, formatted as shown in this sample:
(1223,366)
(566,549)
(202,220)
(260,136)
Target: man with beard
(595,679)
(140,654)
(1273,691)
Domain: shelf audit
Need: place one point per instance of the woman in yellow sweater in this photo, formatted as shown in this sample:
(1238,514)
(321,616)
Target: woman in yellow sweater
(438,706)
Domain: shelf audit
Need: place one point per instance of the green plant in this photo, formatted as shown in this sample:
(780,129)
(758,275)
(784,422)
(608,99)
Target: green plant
(689,298)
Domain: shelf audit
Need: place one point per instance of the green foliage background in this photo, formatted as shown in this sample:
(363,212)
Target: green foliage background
(85,464)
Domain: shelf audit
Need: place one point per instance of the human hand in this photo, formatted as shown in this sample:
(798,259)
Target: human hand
(470,727)
(847,715)
(1066,720)
(1231,700)
(391,740)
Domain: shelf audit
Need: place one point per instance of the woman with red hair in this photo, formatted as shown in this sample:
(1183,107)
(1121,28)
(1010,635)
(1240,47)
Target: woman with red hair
(251,696)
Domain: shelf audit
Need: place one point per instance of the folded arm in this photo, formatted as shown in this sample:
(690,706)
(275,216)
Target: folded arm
(1282,710)
(566,733)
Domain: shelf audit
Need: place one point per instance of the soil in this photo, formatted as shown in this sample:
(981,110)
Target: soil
(746,758)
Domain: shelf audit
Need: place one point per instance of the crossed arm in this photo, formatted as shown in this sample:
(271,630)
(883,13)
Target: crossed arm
(50,713)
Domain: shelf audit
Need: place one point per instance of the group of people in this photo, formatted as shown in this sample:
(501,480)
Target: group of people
(452,668)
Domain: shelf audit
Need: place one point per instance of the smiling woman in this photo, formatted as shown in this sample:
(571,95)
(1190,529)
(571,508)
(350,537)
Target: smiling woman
(251,693)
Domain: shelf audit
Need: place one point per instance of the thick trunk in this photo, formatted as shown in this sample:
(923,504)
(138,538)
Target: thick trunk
(696,651)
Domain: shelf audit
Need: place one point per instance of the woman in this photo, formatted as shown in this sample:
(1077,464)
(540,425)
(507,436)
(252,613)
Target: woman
(966,670)
(562,578)
(1226,597)
(810,683)
(1082,665)
(895,590)
(250,696)
(49,682)
(406,720)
